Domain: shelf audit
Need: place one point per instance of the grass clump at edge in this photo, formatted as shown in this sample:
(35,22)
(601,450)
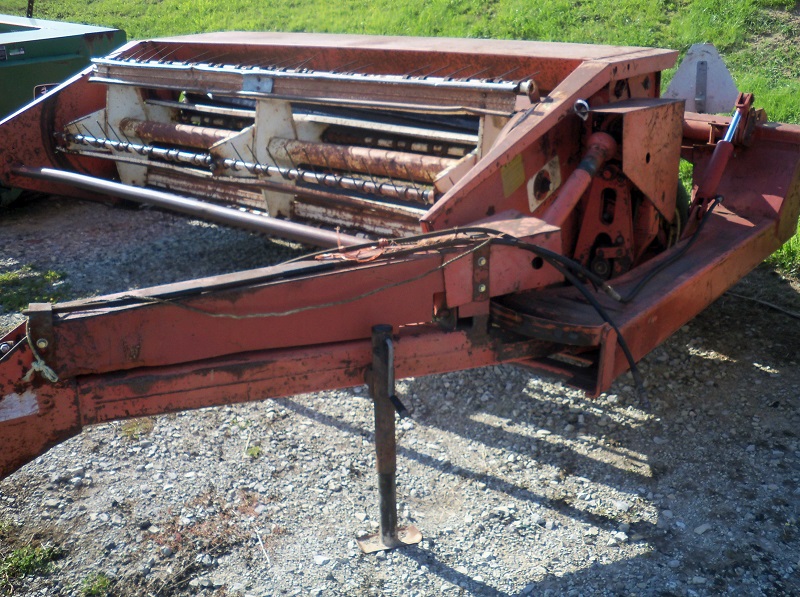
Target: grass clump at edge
(96,585)
(136,429)
(26,285)
(254,451)
(27,561)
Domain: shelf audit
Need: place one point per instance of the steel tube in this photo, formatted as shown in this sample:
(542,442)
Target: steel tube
(200,209)
(602,146)
(715,169)
(737,117)
(697,130)
(369,187)
(385,441)
(372,161)
(173,133)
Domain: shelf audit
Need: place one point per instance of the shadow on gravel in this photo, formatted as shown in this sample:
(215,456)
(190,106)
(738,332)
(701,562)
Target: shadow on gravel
(717,464)
(446,572)
(446,467)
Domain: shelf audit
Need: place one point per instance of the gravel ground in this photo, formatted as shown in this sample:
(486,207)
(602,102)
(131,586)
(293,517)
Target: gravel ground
(518,484)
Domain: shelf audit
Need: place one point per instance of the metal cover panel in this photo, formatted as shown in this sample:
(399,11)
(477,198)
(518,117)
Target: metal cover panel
(651,143)
(704,82)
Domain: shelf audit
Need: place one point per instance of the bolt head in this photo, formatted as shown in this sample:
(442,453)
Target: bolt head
(482,261)
(5,347)
(41,343)
(482,288)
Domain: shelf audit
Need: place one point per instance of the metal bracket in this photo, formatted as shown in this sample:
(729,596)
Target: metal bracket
(700,86)
(257,83)
(582,109)
(40,328)
(480,274)
(382,389)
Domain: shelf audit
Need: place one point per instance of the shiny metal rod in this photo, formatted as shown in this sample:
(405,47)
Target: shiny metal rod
(199,209)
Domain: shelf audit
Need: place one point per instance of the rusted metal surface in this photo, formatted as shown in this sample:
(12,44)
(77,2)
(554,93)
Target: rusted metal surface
(545,328)
(200,137)
(311,204)
(379,219)
(27,137)
(651,142)
(307,303)
(381,383)
(671,300)
(310,86)
(607,238)
(208,161)
(62,409)
(347,158)
(418,140)
(600,147)
(530,255)
(548,62)
(464,202)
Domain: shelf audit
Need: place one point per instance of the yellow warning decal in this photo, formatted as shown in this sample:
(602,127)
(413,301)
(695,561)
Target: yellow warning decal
(513,175)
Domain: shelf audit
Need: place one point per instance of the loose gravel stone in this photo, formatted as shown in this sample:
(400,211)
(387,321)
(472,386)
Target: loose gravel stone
(520,486)
(702,528)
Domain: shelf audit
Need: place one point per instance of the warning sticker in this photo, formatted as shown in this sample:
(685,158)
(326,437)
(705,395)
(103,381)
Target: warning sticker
(513,175)
(40,90)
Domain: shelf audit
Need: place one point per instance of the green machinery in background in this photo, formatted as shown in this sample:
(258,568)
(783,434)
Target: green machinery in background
(37,55)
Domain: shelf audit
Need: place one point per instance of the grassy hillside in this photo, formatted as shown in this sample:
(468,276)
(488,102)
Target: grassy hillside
(758,38)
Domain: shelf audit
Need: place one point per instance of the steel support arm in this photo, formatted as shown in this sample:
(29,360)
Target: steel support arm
(298,327)
(36,415)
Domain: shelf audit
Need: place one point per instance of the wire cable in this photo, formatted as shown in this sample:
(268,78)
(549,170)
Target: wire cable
(674,257)
(637,378)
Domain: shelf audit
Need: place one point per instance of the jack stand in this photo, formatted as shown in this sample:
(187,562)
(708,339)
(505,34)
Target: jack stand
(382,389)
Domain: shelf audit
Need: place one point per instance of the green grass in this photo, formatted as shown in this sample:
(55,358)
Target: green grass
(27,561)
(25,285)
(757,38)
(674,23)
(96,585)
(136,429)
(787,257)
(254,452)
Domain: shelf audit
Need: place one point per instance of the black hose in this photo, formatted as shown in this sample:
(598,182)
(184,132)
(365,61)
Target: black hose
(571,264)
(501,238)
(637,378)
(674,257)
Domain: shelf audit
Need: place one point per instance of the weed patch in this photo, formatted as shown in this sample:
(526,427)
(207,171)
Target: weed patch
(27,561)
(135,429)
(26,285)
(254,452)
(787,258)
(211,531)
(96,585)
